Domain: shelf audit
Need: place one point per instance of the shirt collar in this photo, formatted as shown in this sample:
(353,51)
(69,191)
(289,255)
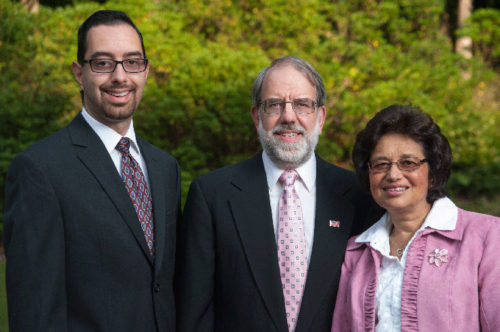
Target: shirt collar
(108,136)
(306,171)
(442,217)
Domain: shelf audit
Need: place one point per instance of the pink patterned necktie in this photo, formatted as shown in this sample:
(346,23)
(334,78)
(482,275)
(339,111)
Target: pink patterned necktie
(292,257)
(137,189)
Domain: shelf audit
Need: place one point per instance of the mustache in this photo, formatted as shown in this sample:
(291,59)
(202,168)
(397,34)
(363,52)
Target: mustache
(288,126)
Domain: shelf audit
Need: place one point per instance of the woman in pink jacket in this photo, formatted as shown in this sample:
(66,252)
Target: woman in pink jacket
(426,265)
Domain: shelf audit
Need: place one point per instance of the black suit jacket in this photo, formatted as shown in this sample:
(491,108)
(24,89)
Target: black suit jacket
(228,275)
(76,256)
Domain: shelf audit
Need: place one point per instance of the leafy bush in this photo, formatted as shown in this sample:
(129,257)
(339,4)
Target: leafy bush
(469,182)
(483,26)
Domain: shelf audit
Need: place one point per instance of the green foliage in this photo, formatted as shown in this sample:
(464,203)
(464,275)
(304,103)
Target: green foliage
(205,55)
(482,204)
(470,182)
(36,89)
(483,26)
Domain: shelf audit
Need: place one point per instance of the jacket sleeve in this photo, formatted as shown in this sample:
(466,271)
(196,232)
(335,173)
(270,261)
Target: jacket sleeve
(489,279)
(35,251)
(195,265)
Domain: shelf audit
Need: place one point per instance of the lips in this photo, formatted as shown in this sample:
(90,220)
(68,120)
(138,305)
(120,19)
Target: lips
(288,136)
(395,190)
(288,133)
(402,188)
(118,94)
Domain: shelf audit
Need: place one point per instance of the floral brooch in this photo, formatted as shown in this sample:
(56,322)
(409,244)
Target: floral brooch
(438,257)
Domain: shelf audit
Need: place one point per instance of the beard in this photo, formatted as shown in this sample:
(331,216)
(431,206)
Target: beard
(289,155)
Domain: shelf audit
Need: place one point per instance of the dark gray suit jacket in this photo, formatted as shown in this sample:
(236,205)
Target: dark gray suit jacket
(227,274)
(76,256)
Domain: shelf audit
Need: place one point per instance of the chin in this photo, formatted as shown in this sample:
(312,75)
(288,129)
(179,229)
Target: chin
(289,158)
(391,204)
(120,114)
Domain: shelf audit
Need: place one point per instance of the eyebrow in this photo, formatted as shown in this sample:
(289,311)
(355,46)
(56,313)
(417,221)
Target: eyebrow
(284,99)
(110,55)
(403,156)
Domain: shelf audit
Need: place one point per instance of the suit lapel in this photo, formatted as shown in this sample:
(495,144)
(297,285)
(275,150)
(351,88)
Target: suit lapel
(93,154)
(158,193)
(329,242)
(252,215)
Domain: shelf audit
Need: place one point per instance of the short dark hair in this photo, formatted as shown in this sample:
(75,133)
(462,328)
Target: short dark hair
(102,17)
(412,122)
(301,65)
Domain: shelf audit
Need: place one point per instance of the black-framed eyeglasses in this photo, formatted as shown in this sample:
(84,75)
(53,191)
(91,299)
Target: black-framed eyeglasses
(134,65)
(301,106)
(405,165)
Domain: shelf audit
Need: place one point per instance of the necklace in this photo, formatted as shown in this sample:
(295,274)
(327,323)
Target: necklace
(398,246)
(399,251)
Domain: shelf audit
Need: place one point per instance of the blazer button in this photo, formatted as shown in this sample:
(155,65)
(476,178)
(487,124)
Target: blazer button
(156,288)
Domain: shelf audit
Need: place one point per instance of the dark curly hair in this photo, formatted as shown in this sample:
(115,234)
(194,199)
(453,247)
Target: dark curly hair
(410,121)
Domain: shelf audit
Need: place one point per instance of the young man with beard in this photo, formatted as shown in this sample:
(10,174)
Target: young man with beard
(91,211)
(262,242)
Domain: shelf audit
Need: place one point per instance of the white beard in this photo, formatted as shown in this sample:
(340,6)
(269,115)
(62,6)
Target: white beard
(289,155)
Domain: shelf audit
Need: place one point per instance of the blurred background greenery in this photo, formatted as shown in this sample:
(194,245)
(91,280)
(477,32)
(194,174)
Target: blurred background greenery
(442,55)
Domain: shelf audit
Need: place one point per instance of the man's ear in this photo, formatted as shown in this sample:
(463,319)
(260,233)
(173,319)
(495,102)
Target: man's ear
(322,117)
(77,72)
(255,116)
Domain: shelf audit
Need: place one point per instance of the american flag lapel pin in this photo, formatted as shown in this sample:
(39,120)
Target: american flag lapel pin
(334,223)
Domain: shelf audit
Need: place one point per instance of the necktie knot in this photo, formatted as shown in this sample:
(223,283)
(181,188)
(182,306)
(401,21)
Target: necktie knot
(288,177)
(123,145)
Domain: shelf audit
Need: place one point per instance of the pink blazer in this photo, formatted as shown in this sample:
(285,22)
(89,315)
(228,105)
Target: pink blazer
(462,294)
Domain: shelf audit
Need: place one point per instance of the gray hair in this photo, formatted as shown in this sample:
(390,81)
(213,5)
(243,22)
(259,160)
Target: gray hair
(301,65)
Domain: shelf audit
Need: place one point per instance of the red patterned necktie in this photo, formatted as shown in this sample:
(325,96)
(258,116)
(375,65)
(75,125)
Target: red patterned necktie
(292,257)
(137,189)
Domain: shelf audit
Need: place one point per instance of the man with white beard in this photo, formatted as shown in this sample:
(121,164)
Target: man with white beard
(262,241)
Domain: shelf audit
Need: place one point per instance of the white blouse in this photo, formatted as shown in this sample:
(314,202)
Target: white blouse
(442,216)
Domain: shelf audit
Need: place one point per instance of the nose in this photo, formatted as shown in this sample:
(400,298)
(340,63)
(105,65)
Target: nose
(119,75)
(394,173)
(288,115)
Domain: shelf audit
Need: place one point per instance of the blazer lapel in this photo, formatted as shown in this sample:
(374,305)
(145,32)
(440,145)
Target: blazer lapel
(329,243)
(252,215)
(94,156)
(159,192)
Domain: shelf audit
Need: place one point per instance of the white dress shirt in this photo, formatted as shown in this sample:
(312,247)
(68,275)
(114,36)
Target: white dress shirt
(305,186)
(110,139)
(442,216)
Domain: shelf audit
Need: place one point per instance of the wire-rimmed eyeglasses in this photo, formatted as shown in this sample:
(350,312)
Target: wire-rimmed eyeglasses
(405,165)
(301,106)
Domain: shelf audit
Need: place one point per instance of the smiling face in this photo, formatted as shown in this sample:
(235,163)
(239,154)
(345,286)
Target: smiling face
(112,98)
(395,190)
(288,139)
